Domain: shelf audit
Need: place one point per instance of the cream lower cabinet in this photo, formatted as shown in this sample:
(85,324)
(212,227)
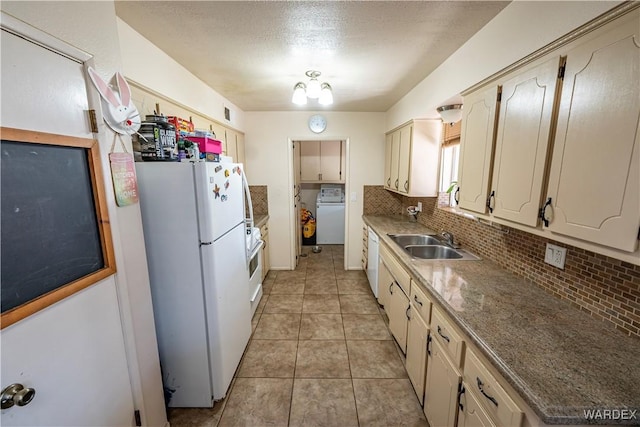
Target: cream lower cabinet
(594,180)
(398,315)
(442,387)
(385,283)
(416,363)
(470,413)
(264,230)
(412,157)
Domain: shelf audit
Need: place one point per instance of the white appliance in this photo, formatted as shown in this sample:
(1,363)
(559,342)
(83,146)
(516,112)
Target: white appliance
(372,261)
(195,230)
(330,215)
(255,242)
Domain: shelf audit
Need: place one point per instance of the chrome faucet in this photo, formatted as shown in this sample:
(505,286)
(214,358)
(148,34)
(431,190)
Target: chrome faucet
(448,236)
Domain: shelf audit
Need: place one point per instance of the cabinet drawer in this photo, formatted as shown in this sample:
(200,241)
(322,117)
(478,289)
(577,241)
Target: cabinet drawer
(396,270)
(471,412)
(420,303)
(449,338)
(492,397)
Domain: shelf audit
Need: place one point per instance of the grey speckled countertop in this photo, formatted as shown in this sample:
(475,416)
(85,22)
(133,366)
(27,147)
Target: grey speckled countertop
(560,360)
(260,219)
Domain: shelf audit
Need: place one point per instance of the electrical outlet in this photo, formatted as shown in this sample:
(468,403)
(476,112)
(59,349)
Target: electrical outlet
(555,255)
(419,207)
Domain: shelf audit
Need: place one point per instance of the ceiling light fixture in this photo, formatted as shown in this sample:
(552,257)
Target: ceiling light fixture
(450,113)
(313,90)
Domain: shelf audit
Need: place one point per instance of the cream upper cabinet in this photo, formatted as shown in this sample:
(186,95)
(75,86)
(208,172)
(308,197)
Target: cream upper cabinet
(412,156)
(322,161)
(522,141)
(441,390)
(594,180)
(240,149)
(476,148)
(388,149)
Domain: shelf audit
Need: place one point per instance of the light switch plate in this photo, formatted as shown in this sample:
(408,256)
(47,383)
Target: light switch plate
(555,255)
(354,196)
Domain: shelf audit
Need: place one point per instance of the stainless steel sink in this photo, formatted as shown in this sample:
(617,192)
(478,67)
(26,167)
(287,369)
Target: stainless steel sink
(424,246)
(414,239)
(432,252)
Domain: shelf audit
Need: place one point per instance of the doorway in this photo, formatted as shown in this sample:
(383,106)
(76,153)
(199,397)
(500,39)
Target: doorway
(319,189)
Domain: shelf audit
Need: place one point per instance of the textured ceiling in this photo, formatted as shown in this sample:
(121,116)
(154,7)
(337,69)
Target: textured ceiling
(372,53)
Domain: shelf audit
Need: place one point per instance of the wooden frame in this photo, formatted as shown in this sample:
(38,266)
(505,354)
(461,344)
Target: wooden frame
(102,219)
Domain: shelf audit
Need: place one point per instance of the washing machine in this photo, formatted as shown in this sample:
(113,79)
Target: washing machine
(330,215)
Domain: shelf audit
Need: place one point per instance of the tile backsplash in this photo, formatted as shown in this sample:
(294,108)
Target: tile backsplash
(260,199)
(604,287)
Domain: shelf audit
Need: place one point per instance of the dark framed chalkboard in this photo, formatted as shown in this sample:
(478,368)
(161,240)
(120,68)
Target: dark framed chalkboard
(55,233)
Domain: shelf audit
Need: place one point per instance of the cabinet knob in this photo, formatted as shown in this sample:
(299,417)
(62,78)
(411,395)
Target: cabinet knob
(16,394)
(396,184)
(492,197)
(388,182)
(456,196)
(406,186)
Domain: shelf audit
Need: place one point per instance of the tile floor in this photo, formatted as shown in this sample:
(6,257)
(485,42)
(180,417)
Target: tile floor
(320,355)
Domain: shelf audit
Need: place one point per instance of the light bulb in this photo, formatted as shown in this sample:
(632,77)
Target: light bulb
(313,89)
(299,96)
(326,96)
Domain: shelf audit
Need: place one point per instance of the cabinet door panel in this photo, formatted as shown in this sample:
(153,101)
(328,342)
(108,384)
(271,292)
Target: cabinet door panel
(478,125)
(395,161)
(310,160)
(398,305)
(441,391)
(404,157)
(331,160)
(524,127)
(388,147)
(417,353)
(385,281)
(471,414)
(594,181)
(240,149)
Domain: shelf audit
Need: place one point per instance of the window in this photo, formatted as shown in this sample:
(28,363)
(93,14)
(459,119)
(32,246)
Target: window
(449,169)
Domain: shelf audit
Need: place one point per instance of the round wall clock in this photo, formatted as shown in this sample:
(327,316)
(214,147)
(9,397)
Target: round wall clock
(317,123)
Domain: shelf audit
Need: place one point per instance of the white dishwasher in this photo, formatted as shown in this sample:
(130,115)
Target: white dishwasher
(372,262)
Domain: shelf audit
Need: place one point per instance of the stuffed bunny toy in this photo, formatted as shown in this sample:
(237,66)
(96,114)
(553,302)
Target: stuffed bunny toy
(118,109)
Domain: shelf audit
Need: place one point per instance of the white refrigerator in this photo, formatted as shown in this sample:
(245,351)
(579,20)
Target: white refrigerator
(193,215)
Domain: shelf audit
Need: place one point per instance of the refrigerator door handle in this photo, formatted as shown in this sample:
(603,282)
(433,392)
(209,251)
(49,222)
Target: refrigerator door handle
(249,224)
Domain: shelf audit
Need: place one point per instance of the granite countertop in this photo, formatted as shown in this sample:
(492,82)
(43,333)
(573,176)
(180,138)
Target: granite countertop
(260,219)
(559,359)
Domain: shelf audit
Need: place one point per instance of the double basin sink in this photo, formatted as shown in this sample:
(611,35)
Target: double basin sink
(425,246)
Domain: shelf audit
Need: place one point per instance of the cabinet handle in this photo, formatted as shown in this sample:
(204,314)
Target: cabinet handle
(406,186)
(461,391)
(391,288)
(429,344)
(491,197)
(415,298)
(446,338)
(543,212)
(16,394)
(396,184)
(389,182)
(406,312)
(456,196)
(481,388)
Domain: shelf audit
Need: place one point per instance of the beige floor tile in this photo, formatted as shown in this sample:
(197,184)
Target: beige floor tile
(290,286)
(365,327)
(350,274)
(387,402)
(283,304)
(254,321)
(277,327)
(269,358)
(258,402)
(196,417)
(354,286)
(321,303)
(358,304)
(323,402)
(375,359)
(321,327)
(267,285)
(322,359)
(321,287)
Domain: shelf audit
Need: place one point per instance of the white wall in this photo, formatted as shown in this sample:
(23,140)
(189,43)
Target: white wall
(144,63)
(269,162)
(91,26)
(518,30)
